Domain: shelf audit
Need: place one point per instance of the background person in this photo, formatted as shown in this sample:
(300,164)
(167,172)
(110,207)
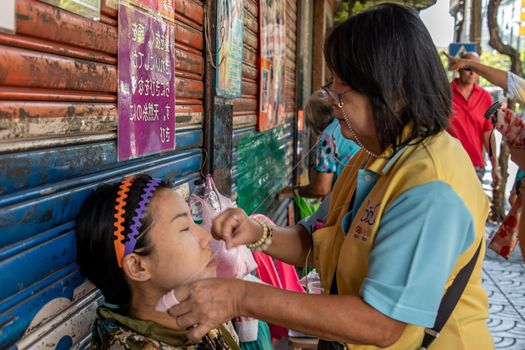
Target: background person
(508,81)
(468,125)
(404,217)
(332,153)
(515,88)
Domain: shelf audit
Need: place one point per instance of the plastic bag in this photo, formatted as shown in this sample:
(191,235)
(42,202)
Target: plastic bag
(312,283)
(307,206)
(512,127)
(505,239)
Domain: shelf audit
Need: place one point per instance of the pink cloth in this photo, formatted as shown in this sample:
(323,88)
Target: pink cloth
(284,277)
(266,270)
(267,273)
(288,276)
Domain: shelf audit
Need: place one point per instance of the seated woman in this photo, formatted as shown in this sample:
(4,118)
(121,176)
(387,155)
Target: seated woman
(136,240)
(333,149)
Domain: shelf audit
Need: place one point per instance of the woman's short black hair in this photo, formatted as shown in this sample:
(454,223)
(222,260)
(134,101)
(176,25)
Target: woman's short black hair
(387,54)
(94,232)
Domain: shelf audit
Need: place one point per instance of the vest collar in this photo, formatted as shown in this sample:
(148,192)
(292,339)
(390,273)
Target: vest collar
(381,166)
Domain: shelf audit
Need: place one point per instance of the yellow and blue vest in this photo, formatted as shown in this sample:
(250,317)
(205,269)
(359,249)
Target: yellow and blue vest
(415,220)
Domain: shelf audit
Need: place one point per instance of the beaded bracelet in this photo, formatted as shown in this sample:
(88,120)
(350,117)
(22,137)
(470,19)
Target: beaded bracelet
(266,239)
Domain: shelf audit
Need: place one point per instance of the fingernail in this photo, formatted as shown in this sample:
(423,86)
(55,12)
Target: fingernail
(167,301)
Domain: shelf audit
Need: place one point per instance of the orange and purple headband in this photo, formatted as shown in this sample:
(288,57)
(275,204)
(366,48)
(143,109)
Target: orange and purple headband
(125,245)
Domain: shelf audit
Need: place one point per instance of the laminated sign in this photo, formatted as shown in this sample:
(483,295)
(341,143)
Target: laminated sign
(146,78)
(86,8)
(230,14)
(272,63)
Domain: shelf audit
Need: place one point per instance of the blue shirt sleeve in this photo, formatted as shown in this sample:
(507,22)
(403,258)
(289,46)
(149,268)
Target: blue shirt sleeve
(516,87)
(421,236)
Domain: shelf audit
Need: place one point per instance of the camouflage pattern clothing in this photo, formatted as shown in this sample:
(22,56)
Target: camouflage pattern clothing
(115,331)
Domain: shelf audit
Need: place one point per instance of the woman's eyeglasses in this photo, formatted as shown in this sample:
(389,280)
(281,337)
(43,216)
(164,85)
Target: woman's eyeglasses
(327,89)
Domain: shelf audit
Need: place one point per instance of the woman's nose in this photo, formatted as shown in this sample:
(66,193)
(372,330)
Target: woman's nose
(203,236)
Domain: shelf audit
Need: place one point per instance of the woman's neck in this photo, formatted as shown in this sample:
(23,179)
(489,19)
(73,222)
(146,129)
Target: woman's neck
(143,301)
(372,145)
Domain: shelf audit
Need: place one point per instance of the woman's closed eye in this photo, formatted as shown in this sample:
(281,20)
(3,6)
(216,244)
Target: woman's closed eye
(185,216)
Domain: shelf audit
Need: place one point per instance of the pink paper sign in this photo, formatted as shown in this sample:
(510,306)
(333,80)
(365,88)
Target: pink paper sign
(146,90)
(164,7)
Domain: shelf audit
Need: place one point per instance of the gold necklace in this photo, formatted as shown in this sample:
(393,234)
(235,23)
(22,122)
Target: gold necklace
(354,134)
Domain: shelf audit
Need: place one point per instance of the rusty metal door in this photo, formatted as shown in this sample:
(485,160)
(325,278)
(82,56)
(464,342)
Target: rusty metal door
(58,116)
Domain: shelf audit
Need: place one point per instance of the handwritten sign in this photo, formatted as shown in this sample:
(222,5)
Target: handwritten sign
(146,91)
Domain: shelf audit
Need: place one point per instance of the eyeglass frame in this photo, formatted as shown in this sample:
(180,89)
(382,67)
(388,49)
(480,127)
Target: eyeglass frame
(333,94)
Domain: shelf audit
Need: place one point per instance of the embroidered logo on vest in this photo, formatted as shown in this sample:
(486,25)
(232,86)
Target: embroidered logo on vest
(368,220)
(370,214)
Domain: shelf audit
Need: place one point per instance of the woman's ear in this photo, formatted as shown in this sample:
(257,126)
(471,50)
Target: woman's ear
(136,267)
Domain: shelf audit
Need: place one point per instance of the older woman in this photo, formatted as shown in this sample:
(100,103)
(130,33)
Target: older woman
(405,217)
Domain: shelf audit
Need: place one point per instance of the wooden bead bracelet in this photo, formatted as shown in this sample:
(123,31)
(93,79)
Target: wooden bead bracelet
(265,241)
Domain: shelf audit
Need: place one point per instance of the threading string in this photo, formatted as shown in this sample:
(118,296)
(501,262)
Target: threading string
(271,192)
(213,256)
(210,58)
(203,163)
(191,278)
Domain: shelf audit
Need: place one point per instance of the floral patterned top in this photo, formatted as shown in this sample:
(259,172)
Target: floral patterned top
(334,150)
(115,331)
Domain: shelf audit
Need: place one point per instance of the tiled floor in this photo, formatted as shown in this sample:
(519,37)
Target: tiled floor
(505,285)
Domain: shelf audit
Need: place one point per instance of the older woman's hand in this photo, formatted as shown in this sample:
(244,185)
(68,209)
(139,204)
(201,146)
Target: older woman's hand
(207,304)
(235,228)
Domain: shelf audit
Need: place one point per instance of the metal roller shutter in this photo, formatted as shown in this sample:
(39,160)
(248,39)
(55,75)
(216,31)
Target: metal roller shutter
(58,96)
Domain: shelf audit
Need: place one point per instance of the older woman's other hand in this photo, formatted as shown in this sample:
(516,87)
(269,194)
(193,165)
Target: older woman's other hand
(496,177)
(518,156)
(207,304)
(235,228)
(287,192)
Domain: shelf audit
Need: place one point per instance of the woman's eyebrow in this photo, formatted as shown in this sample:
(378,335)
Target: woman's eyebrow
(180,215)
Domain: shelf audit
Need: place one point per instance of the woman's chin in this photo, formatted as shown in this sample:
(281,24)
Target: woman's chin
(211,269)
(210,272)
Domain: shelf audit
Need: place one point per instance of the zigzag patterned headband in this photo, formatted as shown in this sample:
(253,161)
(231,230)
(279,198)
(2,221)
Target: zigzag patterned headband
(124,245)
